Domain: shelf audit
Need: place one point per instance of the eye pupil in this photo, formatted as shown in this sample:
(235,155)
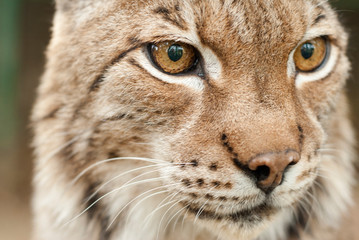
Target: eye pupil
(307,50)
(175,52)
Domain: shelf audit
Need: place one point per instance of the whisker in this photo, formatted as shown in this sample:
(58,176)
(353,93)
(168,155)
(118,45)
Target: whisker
(134,170)
(320,185)
(320,175)
(200,211)
(153,211)
(294,213)
(330,150)
(217,208)
(327,174)
(184,217)
(57,150)
(326,170)
(179,216)
(296,219)
(113,191)
(134,207)
(116,159)
(159,206)
(314,199)
(305,202)
(302,205)
(174,216)
(142,194)
(121,175)
(157,209)
(309,215)
(334,149)
(163,216)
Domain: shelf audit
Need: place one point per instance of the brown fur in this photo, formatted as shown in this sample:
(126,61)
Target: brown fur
(97,100)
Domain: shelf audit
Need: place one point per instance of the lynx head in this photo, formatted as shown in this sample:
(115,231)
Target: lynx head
(233,102)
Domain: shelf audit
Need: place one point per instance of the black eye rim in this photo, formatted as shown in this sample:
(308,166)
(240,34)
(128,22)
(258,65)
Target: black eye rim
(325,59)
(195,69)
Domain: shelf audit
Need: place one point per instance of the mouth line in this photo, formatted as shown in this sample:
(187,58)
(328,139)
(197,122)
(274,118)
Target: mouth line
(252,216)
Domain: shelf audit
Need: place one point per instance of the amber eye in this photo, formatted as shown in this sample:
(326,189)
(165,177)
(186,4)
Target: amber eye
(311,55)
(173,57)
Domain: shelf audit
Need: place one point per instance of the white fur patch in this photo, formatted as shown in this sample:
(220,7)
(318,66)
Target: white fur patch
(191,81)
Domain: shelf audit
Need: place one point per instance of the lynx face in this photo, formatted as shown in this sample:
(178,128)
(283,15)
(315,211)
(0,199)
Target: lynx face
(222,110)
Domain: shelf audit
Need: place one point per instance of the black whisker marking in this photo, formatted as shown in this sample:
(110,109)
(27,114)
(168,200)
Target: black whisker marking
(89,198)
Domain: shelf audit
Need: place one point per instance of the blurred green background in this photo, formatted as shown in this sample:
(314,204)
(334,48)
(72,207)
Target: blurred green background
(24,34)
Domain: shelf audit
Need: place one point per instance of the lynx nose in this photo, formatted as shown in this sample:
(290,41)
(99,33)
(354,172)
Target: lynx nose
(269,168)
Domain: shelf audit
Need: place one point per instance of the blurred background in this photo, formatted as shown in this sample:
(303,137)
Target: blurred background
(24,34)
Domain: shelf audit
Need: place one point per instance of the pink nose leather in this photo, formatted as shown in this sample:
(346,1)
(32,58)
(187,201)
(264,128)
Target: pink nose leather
(269,168)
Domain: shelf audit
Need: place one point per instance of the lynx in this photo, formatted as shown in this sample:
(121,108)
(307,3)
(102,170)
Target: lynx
(213,119)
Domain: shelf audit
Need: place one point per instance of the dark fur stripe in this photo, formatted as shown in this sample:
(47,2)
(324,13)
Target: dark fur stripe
(96,212)
(95,85)
(319,18)
(119,116)
(301,135)
(136,64)
(88,200)
(105,233)
(99,79)
(250,216)
(300,224)
(52,114)
(167,15)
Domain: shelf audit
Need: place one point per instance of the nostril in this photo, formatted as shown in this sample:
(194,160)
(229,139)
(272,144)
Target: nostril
(269,168)
(292,163)
(293,157)
(261,173)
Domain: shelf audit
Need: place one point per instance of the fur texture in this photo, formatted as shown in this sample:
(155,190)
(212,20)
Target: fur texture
(127,152)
